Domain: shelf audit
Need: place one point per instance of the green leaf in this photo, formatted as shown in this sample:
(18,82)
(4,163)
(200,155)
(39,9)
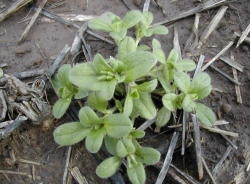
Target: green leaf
(70,133)
(137,134)
(147,86)
(169,101)
(188,103)
(132,18)
(110,144)
(136,173)
(121,149)
(201,85)
(185,65)
(173,56)
(147,18)
(108,167)
(157,51)
(81,94)
(117,125)
(158,30)
(138,64)
(96,102)
(128,105)
(88,117)
(62,76)
(149,155)
(143,48)
(94,140)
(163,117)
(144,106)
(182,81)
(108,91)
(205,114)
(126,46)
(103,22)
(60,107)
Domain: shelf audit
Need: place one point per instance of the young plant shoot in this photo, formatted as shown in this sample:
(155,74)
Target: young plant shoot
(122,89)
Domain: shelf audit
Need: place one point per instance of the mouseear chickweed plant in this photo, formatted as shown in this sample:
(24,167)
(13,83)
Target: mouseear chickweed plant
(138,83)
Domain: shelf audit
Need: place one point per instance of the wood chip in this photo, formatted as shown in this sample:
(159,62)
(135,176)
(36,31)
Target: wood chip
(237,87)
(15,173)
(168,159)
(28,162)
(218,55)
(75,172)
(212,25)
(243,36)
(219,131)
(32,21)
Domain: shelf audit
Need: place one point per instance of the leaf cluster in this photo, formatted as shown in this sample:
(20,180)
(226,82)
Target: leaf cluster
(119,89)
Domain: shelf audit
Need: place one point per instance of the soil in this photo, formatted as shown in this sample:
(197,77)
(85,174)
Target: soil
(45,40)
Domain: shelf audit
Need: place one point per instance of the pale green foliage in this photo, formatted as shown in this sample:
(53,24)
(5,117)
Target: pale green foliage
(121,88)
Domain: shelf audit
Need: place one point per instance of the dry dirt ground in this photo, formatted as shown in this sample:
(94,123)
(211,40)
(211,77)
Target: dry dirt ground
(46,39)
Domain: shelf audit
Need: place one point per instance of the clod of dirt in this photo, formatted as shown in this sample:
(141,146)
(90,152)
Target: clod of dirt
(226,108)
(22,49)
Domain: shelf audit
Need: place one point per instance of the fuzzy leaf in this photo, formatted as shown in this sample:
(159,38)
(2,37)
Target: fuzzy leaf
(169,101)
(136,173)
(137,134)
(205,114)
(148,155)
(147,18)
(117,125)
(163,117)
(88,117)
(132,18)
(81,94)
(128,105)
(121,149)
(157,51)
(158,30)
(126,46)
(185,65)
(108,167)
(144,106)
(201,85)
(173,56)
(110,144)
(94,140)
(138,64)
(60,107)
(70,133)
(62,76)
(188,103)
(147,86)
(96,102)
(182,81)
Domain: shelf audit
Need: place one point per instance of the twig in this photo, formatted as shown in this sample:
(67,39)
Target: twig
(100,37)
(193,34)
(212,25)
(223,158)
(225,75)
(33,173)
(186,176)
(32,21)
(75,172)
(28,161)
(126,4)
(246,40)
(29,73)
(86,47)
(13,8)
(3,106)
(237,87)
(168,159)
(183,138)
(243,36)
(146,5)
(202,7)
(59,59)
(208,171)
(146,124)
(229,141)
(218,55)
(220,122)
(232,63)
(77,43)
(15,173)
(219,131)
(66,167)
(172,173)
(199,65)
(197,142)
(176,42)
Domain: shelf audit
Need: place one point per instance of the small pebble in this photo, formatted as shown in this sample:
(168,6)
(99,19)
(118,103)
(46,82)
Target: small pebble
(226,108)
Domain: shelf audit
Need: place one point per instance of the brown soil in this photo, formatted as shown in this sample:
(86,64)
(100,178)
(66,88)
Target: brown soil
(32,143)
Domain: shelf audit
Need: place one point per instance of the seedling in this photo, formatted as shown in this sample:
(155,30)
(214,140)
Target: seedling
(119,89)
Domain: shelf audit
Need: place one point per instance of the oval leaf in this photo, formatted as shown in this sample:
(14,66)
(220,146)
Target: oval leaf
(182,81)
(148,155)
(132,18)
(94,140)
(87,116)
(205,114)
(70,133)
(169,101)
(60,107)
(110,144)
(163,117)
(136,173)
(108,167)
